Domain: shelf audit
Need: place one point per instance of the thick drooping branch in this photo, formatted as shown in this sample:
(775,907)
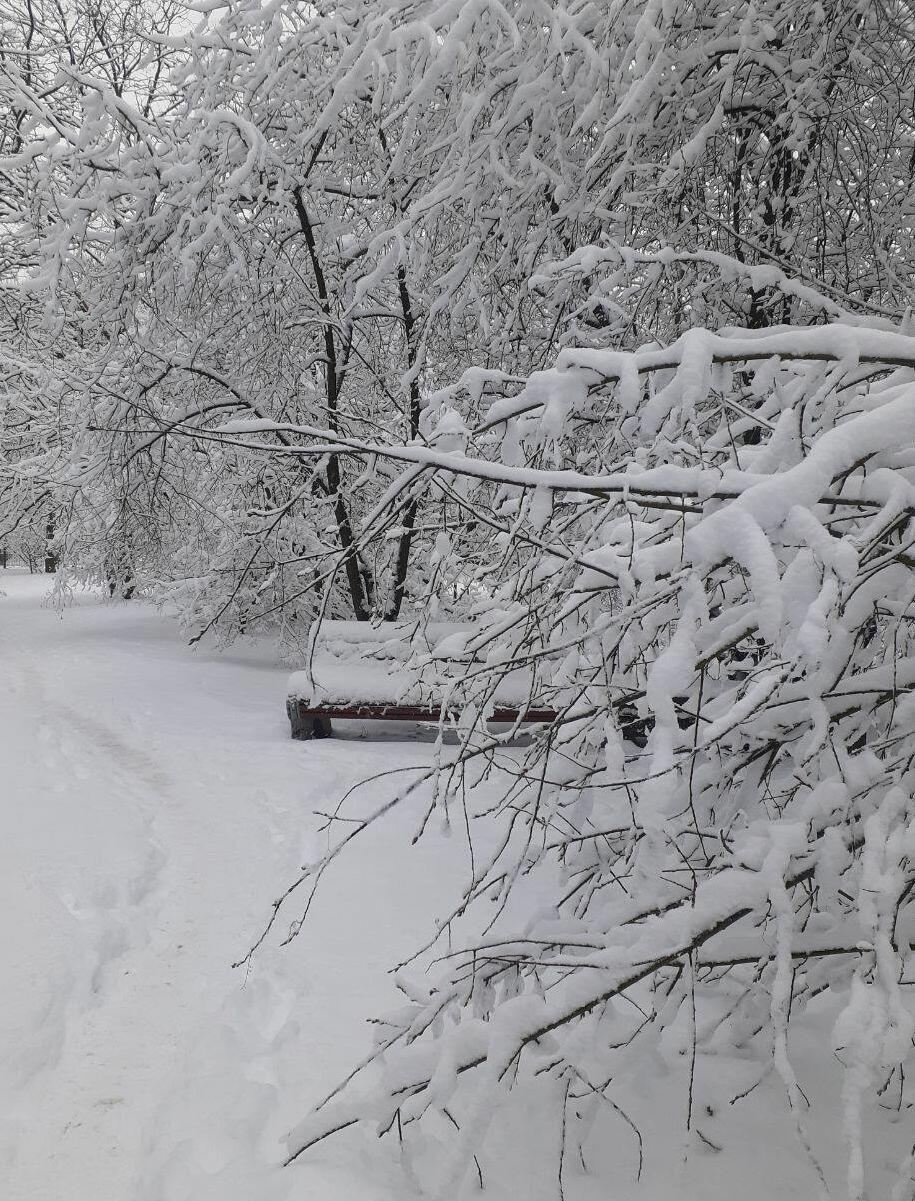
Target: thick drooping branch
(667,941)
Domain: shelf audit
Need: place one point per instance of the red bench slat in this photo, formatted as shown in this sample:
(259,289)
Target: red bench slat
(314,721)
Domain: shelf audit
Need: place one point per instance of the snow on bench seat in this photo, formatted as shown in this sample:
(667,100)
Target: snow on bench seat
(397,671)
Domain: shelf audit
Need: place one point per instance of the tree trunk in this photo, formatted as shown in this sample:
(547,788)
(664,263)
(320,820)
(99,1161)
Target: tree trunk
(50,559)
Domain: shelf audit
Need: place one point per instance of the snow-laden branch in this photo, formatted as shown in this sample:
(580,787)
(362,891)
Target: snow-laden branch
(735,698)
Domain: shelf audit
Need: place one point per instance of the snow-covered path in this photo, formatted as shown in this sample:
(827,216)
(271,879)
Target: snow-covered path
(153,806)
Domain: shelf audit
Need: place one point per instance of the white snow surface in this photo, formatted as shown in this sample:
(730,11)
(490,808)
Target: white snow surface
(153,808)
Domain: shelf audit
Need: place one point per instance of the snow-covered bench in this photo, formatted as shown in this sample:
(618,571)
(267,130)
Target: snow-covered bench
(397,671)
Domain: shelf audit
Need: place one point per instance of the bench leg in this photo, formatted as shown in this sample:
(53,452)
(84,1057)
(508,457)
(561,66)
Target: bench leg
(320,726)
(306,726)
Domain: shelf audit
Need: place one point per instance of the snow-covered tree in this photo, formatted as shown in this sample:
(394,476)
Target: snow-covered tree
(719,825)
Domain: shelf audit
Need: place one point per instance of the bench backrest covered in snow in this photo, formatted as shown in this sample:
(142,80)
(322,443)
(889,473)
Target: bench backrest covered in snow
(401,671)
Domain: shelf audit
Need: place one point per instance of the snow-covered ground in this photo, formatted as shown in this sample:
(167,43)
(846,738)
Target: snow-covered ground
(153,807)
